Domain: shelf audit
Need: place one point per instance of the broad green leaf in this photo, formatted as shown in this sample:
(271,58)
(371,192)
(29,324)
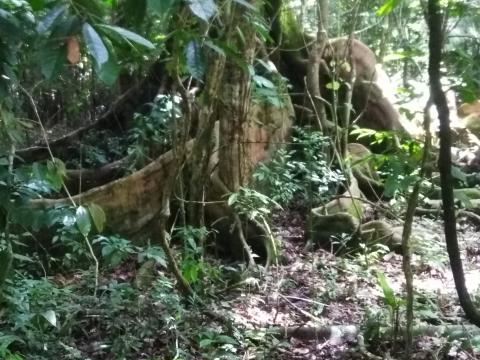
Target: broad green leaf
(98,216)
(195,62)
(48,20)
(129,36)
(51,61)
(204,9)
(388,7)
(82,218)
(109,72)
(51,317)
(95,45)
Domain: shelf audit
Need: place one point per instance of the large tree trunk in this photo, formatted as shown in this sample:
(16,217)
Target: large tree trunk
(132,202)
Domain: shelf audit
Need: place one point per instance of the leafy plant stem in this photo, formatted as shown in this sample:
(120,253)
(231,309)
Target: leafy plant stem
(45,138)
(407,230)
(95,260)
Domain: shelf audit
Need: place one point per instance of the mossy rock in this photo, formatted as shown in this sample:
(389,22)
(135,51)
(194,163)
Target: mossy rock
(363,169)
(380,232)
(326,229)
(340,218)
(472,123)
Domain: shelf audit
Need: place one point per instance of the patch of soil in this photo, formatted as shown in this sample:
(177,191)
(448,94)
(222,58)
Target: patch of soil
(319,289)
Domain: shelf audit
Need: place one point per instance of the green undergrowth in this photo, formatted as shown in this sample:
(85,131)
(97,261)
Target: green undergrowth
(137,312)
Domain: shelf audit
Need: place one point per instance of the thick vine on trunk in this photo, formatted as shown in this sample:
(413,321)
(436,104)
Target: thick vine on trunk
(445,161)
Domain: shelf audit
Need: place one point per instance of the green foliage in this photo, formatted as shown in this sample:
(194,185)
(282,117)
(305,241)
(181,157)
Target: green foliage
(398,164)
(268,85)
(114,249)
(193,266)
(218,346)
(151,134)
(39,27)
(302,170)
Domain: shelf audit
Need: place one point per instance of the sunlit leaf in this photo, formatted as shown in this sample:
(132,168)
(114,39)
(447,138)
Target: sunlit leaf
(51,317)
(333,85)
(95,45)
(388,293)
(204,9)
(388,7)
(128,35)
(82,219)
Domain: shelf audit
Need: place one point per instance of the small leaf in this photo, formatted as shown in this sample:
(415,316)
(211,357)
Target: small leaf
(388,7)
(51,317)
(130,36)
(204,9)
(95,45)
(334,85)
(82,218)
(98,216)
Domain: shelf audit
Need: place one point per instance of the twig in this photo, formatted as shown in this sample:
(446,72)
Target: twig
(44,134)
